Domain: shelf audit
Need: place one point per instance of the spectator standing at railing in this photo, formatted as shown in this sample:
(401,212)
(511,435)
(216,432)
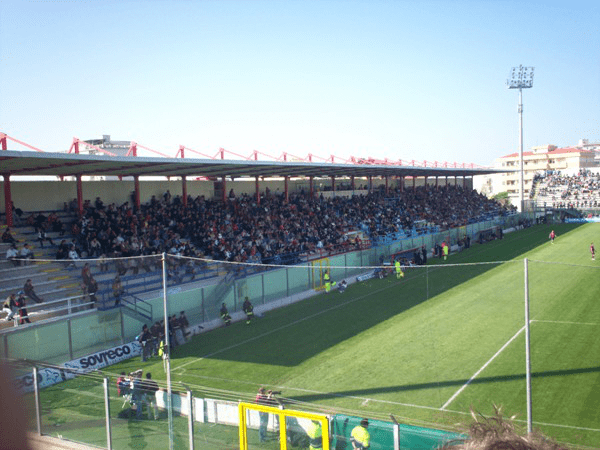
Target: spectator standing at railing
(117,288)
(145,339)
(86,274)
(21,302)
(184,324)
(150,388)
(264,398)
(92,288)
(30,292)
(175,335)
(157,333)
(137,394)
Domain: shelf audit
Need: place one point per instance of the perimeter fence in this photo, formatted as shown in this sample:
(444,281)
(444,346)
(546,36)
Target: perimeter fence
(93,410)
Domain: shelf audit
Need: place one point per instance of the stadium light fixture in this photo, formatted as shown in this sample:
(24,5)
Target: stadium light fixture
(521,78)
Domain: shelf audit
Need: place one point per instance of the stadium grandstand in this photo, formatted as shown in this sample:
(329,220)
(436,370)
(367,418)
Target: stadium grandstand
(307,211)
(91,262)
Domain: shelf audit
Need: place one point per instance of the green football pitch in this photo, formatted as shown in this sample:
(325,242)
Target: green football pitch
(448,337)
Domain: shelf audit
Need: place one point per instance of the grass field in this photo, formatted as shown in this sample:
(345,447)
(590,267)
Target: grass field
(447,337)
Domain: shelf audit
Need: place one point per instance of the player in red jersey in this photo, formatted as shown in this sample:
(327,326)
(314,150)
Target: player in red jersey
(593,251)
(552,236)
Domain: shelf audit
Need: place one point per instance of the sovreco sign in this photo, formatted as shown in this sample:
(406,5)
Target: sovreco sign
(48,377)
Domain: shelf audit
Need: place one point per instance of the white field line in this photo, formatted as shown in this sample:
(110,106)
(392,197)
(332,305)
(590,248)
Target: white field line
(462,388)
(566,323)
(311,391)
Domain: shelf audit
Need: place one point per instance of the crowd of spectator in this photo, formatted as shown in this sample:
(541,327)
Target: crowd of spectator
(568,191)
(242,230)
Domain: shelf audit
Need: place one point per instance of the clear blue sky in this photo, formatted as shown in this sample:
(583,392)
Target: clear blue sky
(387,79)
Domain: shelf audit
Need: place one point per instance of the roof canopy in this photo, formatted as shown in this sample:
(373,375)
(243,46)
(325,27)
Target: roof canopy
(18,163)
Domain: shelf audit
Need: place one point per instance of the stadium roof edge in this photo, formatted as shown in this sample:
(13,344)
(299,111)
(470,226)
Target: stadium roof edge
(25,163)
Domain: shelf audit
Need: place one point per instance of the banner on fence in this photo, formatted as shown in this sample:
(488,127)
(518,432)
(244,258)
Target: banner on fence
(49,376)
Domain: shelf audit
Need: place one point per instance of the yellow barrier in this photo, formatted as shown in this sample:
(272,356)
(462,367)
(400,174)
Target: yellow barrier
(282,414)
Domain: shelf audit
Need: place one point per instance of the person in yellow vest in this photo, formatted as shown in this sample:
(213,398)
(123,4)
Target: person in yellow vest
(328,282)
(315,435)
(399,273)
(445,250)
(361,439)
(162,353)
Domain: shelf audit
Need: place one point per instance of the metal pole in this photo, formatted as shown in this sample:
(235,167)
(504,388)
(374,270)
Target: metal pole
(107,410)
(167,350)
(70,339)
(527,349)
(521,175)
(191,419)
(38,409)
(396,436)
(122,326)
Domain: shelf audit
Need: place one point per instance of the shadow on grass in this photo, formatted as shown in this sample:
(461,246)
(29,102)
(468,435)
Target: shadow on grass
(333,318)
(442,384)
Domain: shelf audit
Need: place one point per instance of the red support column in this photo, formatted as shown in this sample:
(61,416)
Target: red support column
(256,187)
(436,180)
(446,181)
(3,141)
(8,200)
(455,180)
(79,195)
(464,182)
(136,191)
(224,193)
(311,186)
(352,182)
(387,189)
(333,184)
(370,184)
(402,180)
(414,183)
(285,181)
(184,189)
(426,185)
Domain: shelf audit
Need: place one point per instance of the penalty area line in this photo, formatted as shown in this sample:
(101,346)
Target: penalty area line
(564,322)
(476,374)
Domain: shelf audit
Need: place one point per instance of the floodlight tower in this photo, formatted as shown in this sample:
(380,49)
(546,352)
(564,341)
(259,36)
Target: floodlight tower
(521,78)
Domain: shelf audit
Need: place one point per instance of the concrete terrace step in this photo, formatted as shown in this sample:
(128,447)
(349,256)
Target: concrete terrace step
(11,279)
(44,288)
(30,267)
